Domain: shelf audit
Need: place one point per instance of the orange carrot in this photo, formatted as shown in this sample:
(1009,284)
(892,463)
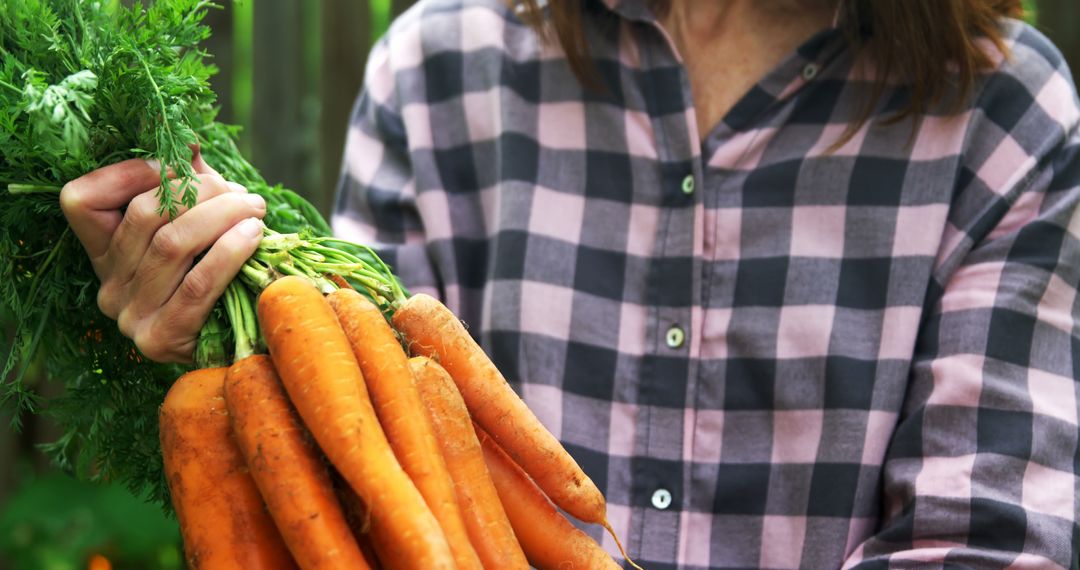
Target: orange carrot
(433,331)
(222,517)
(321,375)
(359,520)
(402,416)
(548,538)
(287,468)
(489,529)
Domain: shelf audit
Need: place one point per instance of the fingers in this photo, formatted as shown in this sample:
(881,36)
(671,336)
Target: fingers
(170,253)
(145,261)
(184,313)
(92,202)
(199,163)
(132,237)
(175,245)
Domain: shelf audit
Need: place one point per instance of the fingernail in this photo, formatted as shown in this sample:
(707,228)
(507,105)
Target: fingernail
(250,227)
(236,187)
(154,164)
(255,201)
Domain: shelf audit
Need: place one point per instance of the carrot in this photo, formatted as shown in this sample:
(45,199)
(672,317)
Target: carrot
(321,375)
(287,468)
(433,331)
(402,416)
(359,520)
(489,529)
(549,539)
(222,518)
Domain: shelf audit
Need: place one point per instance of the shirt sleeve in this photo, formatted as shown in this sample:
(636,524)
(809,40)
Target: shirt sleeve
(982,468)
(376,201)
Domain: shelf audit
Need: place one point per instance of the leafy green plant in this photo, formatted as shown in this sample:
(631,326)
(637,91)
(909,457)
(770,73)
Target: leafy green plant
(86,83)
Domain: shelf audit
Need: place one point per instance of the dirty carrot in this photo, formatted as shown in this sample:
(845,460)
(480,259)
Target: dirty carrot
(324,382)
(222,518)
(489,529)
(549,539)
(401,414)
(433,331)
(359,519)
(287,468)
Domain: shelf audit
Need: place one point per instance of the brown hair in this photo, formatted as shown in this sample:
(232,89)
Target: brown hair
(929,45)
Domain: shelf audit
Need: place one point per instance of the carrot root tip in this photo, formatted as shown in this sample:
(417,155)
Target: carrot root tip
(618,544)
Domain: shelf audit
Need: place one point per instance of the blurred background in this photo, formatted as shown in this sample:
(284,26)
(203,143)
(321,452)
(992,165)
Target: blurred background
(289,73)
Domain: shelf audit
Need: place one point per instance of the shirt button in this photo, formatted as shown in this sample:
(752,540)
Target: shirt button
(810,71)
(688,184)
(661,499)
(675,337)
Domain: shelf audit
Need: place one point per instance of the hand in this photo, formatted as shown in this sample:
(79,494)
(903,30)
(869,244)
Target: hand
(149,282)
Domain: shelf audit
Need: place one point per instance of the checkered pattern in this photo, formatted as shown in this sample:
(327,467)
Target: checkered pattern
(881,340)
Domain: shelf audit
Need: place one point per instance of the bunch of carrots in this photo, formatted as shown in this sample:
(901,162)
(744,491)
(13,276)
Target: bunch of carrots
(338,450)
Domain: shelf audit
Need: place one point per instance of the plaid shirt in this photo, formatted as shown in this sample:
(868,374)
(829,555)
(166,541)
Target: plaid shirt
(766,352)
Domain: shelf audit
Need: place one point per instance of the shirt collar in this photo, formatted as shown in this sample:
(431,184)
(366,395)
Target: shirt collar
(819,49)
(639,10)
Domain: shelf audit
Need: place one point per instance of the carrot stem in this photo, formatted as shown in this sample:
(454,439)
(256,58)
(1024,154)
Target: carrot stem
(242,320)
(314,258)
(210,348)
(258,278)
(398,294)
(32,189)
(272,257)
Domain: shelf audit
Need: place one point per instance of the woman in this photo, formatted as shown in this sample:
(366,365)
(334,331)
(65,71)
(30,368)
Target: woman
(794,281)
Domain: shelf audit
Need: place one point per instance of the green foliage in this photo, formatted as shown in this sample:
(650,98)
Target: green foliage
(1031,11)
(57,522)
(86,83)
(63,105)
(381,14)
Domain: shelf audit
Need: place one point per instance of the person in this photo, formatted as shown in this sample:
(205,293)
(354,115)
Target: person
(795,281)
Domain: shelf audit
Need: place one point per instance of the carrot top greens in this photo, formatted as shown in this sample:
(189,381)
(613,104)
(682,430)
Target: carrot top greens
(83,84)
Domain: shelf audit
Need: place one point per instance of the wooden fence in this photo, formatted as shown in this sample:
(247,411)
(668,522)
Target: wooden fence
(289,73)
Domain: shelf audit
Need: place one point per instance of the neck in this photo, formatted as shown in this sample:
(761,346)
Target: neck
(700,20)
(729,45)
